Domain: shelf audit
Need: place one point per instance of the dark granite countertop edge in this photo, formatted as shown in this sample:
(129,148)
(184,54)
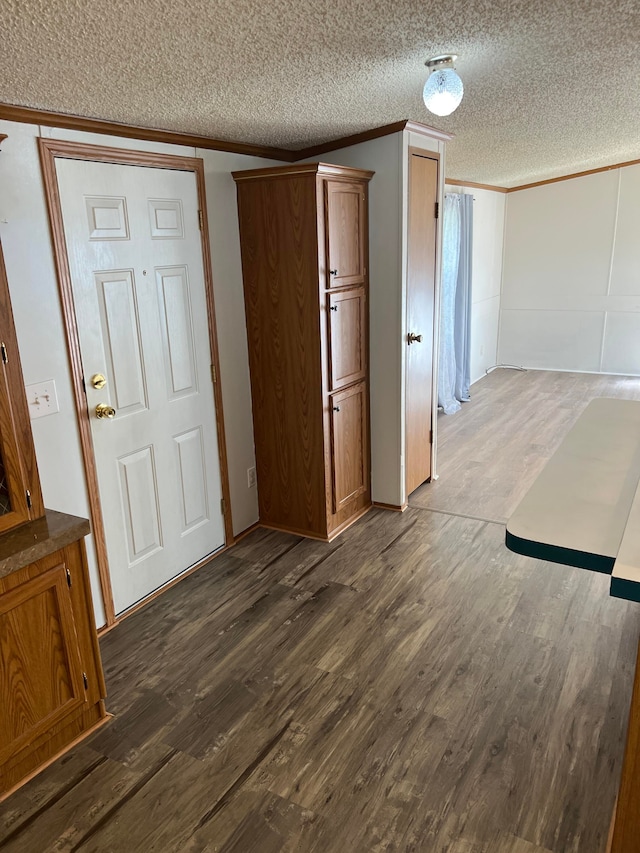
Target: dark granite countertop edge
(37,539)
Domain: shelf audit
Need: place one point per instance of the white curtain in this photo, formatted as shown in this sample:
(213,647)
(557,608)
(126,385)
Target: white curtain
(450,260)
(455,304)
(463,300)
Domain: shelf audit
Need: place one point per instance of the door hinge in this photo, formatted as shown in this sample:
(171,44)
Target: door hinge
(201,220)
(5,357)
(223,506)
(86,680)
(214,375)
(437,209)
(28,494)
(68,577)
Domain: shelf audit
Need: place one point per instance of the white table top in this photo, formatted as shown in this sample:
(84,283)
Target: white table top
(625,578)
(577,510)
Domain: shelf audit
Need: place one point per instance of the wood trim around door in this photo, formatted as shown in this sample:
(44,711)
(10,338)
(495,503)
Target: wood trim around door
(49,149)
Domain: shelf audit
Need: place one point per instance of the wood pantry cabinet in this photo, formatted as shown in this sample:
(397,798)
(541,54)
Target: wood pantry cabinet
(303,236)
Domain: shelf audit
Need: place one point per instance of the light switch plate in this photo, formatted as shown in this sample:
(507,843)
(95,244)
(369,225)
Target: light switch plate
(42,399)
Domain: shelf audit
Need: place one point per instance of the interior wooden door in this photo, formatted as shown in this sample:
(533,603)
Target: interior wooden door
(135,256)
(347,336)
(349,450)
(40,667)
(345,233)
(421,268)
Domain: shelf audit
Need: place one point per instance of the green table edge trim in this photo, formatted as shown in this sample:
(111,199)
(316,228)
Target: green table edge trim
(558,554)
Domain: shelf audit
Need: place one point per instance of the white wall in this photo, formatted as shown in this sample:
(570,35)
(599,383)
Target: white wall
(571,284)
(24,231)
(486,274)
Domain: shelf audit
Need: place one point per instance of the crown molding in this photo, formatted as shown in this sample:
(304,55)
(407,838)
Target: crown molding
(28,115)
(473,185)
(374,133)
(427,130)
(49,118)
(574,175)
(328,169)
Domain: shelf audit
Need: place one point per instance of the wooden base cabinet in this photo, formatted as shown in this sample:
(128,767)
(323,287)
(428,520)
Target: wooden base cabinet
(303,234)
(51,682)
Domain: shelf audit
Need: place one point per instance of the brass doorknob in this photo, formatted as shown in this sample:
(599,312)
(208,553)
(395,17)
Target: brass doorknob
(414,339)
(98,381)
(104,411)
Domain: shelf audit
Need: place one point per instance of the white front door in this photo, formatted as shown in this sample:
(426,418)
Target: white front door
(135,256)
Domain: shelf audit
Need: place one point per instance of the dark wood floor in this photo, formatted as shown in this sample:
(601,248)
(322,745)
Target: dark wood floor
(412,686)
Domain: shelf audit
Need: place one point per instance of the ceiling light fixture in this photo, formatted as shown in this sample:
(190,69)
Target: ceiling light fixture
(443,90)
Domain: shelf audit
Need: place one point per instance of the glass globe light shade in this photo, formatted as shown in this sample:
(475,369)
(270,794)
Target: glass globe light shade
(443,92)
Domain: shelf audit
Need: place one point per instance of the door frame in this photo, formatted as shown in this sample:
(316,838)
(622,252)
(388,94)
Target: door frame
(428,154)
(49,150)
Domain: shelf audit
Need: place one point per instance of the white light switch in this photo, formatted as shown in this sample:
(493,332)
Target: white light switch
(42,399)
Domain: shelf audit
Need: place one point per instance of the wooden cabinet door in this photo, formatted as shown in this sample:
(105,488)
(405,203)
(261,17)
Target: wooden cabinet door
(349,452)
(347,337)
(345,211)
(41,678)
(18,469)
(14,509)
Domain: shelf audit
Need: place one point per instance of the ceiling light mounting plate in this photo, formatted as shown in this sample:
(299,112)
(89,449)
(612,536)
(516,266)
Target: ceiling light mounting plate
(444,61)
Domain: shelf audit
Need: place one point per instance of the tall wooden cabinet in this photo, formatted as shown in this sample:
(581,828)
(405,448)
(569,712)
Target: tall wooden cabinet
(51,683)
(20,495)
(303,233)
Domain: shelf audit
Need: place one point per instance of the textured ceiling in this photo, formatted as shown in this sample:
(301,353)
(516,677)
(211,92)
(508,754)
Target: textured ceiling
(551,87)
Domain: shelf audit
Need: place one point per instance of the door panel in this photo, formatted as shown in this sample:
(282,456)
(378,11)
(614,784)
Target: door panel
(345,206)
(347,337)
(423,188)
(193,487)
(174,298)
(143,323)
(166,218)
(120,334)
(138,498)
(40,667)
(348,442)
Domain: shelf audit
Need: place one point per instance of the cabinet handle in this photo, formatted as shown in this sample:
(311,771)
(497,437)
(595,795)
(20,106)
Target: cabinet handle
(333,272)
(336,408)
(333,308)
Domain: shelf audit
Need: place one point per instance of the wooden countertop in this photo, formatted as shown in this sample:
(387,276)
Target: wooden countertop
(584,508)
(37,539)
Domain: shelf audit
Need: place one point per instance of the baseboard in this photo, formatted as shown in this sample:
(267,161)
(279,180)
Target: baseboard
(391,507)
(255,526)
